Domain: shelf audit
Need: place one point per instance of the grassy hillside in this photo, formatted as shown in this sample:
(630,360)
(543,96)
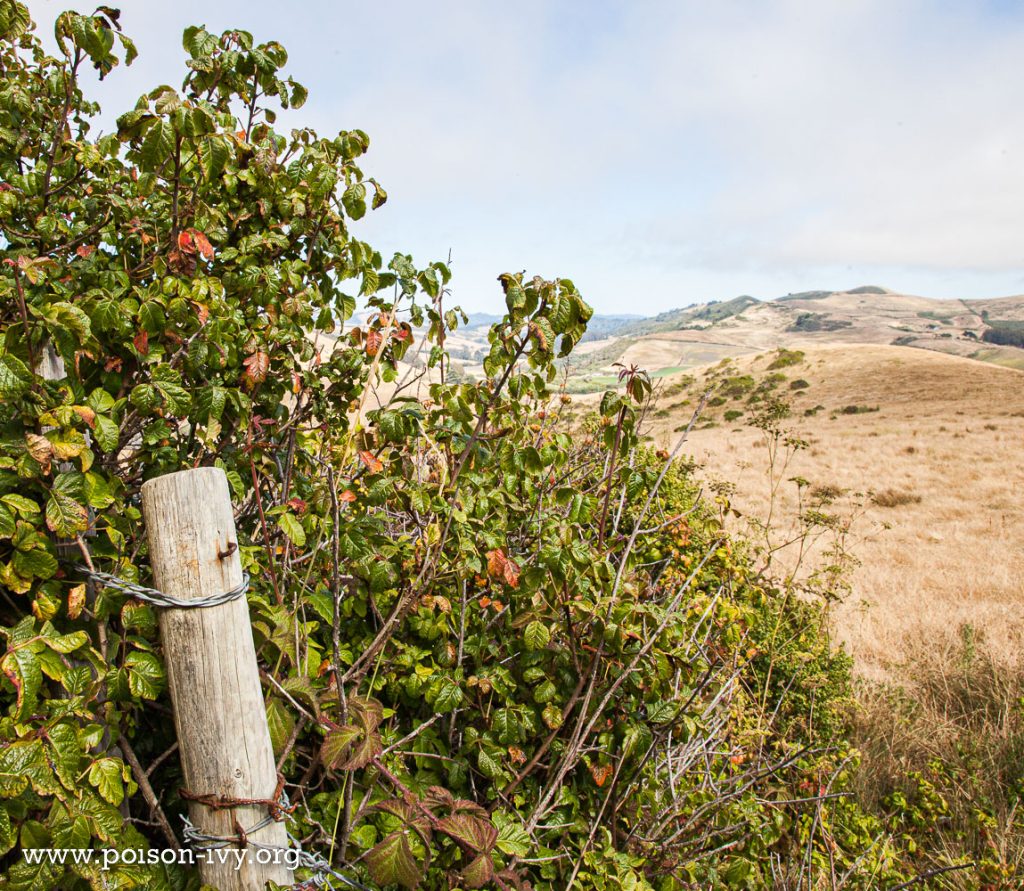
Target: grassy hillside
(923,448)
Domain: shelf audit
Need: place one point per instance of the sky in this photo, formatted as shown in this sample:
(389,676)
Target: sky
(658,152)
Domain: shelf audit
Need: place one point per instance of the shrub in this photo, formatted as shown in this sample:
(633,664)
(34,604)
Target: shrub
(785,358)
(813,321)
(894,498)
(799,384)
(858,409)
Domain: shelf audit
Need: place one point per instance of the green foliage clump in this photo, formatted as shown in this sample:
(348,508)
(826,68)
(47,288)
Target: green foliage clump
(785,358)
(1004,333)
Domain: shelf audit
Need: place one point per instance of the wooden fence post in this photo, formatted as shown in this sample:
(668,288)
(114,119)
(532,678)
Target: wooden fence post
(214,680)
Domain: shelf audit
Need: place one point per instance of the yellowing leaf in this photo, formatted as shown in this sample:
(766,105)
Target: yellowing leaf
(76,601)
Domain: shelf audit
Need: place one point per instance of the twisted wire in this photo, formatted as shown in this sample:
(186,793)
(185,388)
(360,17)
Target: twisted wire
(159,598)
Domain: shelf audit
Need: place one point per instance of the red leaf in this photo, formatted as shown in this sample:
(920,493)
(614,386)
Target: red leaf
(141,342)
(256,367)
(185,242)
(85,250)
(297,505)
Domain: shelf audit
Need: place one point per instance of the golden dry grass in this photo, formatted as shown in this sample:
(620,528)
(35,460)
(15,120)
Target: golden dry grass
(941,545)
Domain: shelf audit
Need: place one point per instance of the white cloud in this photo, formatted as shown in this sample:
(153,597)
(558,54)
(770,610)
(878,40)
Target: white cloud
(661,152)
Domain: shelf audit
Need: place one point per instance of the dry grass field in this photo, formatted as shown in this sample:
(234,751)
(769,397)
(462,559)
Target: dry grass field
(932,480)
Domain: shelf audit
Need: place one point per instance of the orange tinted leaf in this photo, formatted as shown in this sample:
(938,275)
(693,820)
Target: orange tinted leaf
(86,414)
(511,573)
(348,495)
(202,243)
(185,244)
(601,773)
(372,462)
(256,367)
(517,755)
(84,250)
(496,561)
(373,342)
(485,602)
(141,342)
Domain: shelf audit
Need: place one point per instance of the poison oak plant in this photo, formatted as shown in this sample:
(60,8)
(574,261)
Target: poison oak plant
(495,653)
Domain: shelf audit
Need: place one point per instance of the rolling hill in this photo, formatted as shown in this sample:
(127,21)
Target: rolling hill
(920,451)
(691,337)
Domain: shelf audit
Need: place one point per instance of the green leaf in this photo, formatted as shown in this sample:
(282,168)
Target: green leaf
(105,775)
(15,378)
(7,522)
(392,862)
(354,200)
(106,433)
(506,726)
(536,635)
(145,675)
(489,766)
(64,515)
(67,753)
(210,403)
(281,723)
(158,144)
(36,563)
(144,397)
(513,840)
(63,643)
(25,507)
(445,695)
(8,837)
(21,666)
(213,156)
(291,527)
(545,692)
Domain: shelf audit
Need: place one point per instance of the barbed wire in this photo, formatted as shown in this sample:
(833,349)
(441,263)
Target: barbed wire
(317,864)
(159,598)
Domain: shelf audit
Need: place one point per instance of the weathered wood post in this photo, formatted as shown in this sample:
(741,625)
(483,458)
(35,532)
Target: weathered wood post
(214,680)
